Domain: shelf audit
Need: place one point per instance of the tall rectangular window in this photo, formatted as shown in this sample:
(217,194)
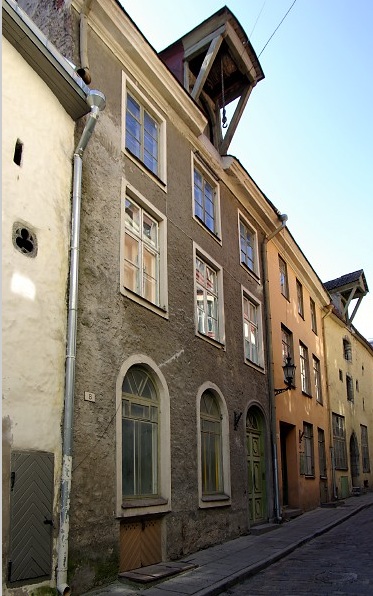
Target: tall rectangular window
(317,378)
(209,299)
(252,331)
(365,448)
(206,199)
(141,252)
(313,316)
(248,246)
(211,445)
(339,442)
(309,462)
(304,368)
(300,299)
(142,134)
(347,351)
(322,452)
(349,388)
(284,283)
(287,344)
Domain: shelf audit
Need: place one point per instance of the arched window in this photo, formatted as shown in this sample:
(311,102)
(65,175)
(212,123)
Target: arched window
(140,412)
(211,445)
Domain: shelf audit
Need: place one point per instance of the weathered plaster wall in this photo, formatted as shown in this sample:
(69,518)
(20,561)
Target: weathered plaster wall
(360,411)
(113,328)
(36,194)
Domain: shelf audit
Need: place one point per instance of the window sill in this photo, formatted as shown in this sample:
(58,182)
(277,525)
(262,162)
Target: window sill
(215,235)
(309,476)
(251,272)
(209,501)
(214,342)
(162,312)
(258,367)
(148,171)
(145,502)
(306,394)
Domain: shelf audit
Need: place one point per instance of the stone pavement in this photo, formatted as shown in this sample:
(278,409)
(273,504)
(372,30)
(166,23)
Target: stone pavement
(222,566)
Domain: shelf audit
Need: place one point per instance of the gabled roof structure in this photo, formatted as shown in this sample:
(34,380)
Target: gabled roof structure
(217,65)
(346,288)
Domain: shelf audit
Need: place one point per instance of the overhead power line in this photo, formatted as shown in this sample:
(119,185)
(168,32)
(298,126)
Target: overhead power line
(278,26)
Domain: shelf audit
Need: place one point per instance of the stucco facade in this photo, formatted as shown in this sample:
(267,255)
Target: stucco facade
(302,414)
(37,147)
(349,357)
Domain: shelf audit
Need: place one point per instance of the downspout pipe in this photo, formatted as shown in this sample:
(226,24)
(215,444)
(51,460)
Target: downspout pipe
(270,367)
(96,101)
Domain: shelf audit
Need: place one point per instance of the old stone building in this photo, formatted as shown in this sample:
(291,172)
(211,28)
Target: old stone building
(172,441)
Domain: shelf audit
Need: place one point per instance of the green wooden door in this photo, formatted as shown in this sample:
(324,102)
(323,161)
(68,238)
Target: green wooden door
(256,466)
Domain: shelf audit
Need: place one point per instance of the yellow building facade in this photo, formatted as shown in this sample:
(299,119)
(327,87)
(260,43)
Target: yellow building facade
(350,381)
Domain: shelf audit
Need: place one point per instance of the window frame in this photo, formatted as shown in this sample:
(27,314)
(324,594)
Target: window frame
(304,369)
(128,191)
(347,349)
(133,507)
(339,442)
(284,279)
(222,499)
(130,88)
(212,180)
(365,449)
(350,388)
(323,470)
(316,367)
(218,341)
(248,297)
(313,316)
(289,335)
(242,220)
(300,301)
(308,451)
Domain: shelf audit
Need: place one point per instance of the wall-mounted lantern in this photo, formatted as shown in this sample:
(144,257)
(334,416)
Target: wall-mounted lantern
(289,373)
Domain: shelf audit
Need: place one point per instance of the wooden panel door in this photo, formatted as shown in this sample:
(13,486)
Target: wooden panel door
(31,525)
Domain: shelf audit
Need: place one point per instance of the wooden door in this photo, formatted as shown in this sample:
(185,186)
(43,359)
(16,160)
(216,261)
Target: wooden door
(256,466)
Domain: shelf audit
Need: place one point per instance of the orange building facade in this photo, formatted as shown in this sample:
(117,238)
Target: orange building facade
(298,303)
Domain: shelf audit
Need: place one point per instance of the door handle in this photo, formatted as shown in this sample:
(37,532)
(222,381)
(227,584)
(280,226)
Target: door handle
(48,522)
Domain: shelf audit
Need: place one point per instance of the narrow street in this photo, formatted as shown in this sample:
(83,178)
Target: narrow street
(338,562)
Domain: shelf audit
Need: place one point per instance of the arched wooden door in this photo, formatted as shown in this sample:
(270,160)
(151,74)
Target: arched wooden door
(255,440)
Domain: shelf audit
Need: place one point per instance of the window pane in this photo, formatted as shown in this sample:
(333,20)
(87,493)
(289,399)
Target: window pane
(150,230)
(131,268)
(132,216)
(128,458)
(146,469)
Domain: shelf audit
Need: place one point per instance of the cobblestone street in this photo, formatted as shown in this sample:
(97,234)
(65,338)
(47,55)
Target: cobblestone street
(338,562)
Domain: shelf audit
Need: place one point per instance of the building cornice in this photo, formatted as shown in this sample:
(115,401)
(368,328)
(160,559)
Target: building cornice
(114,27)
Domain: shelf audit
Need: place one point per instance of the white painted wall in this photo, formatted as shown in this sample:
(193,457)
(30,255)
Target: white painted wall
(37,193)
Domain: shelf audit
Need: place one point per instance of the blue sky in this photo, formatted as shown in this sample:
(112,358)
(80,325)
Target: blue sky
(306,136)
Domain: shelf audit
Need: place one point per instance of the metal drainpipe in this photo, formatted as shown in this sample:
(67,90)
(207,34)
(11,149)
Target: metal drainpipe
(283,218)
(96,101)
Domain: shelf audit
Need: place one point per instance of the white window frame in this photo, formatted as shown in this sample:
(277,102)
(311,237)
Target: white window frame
(223,499)
(212,180)
(255,270)
(313,316)
(214,266)
(128,87)
(161,308)
(247,296)
(162,502)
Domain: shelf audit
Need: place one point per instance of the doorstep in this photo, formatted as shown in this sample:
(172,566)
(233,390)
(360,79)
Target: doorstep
(154,573)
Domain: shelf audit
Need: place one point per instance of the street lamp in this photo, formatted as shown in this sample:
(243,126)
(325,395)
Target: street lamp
(289,372)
